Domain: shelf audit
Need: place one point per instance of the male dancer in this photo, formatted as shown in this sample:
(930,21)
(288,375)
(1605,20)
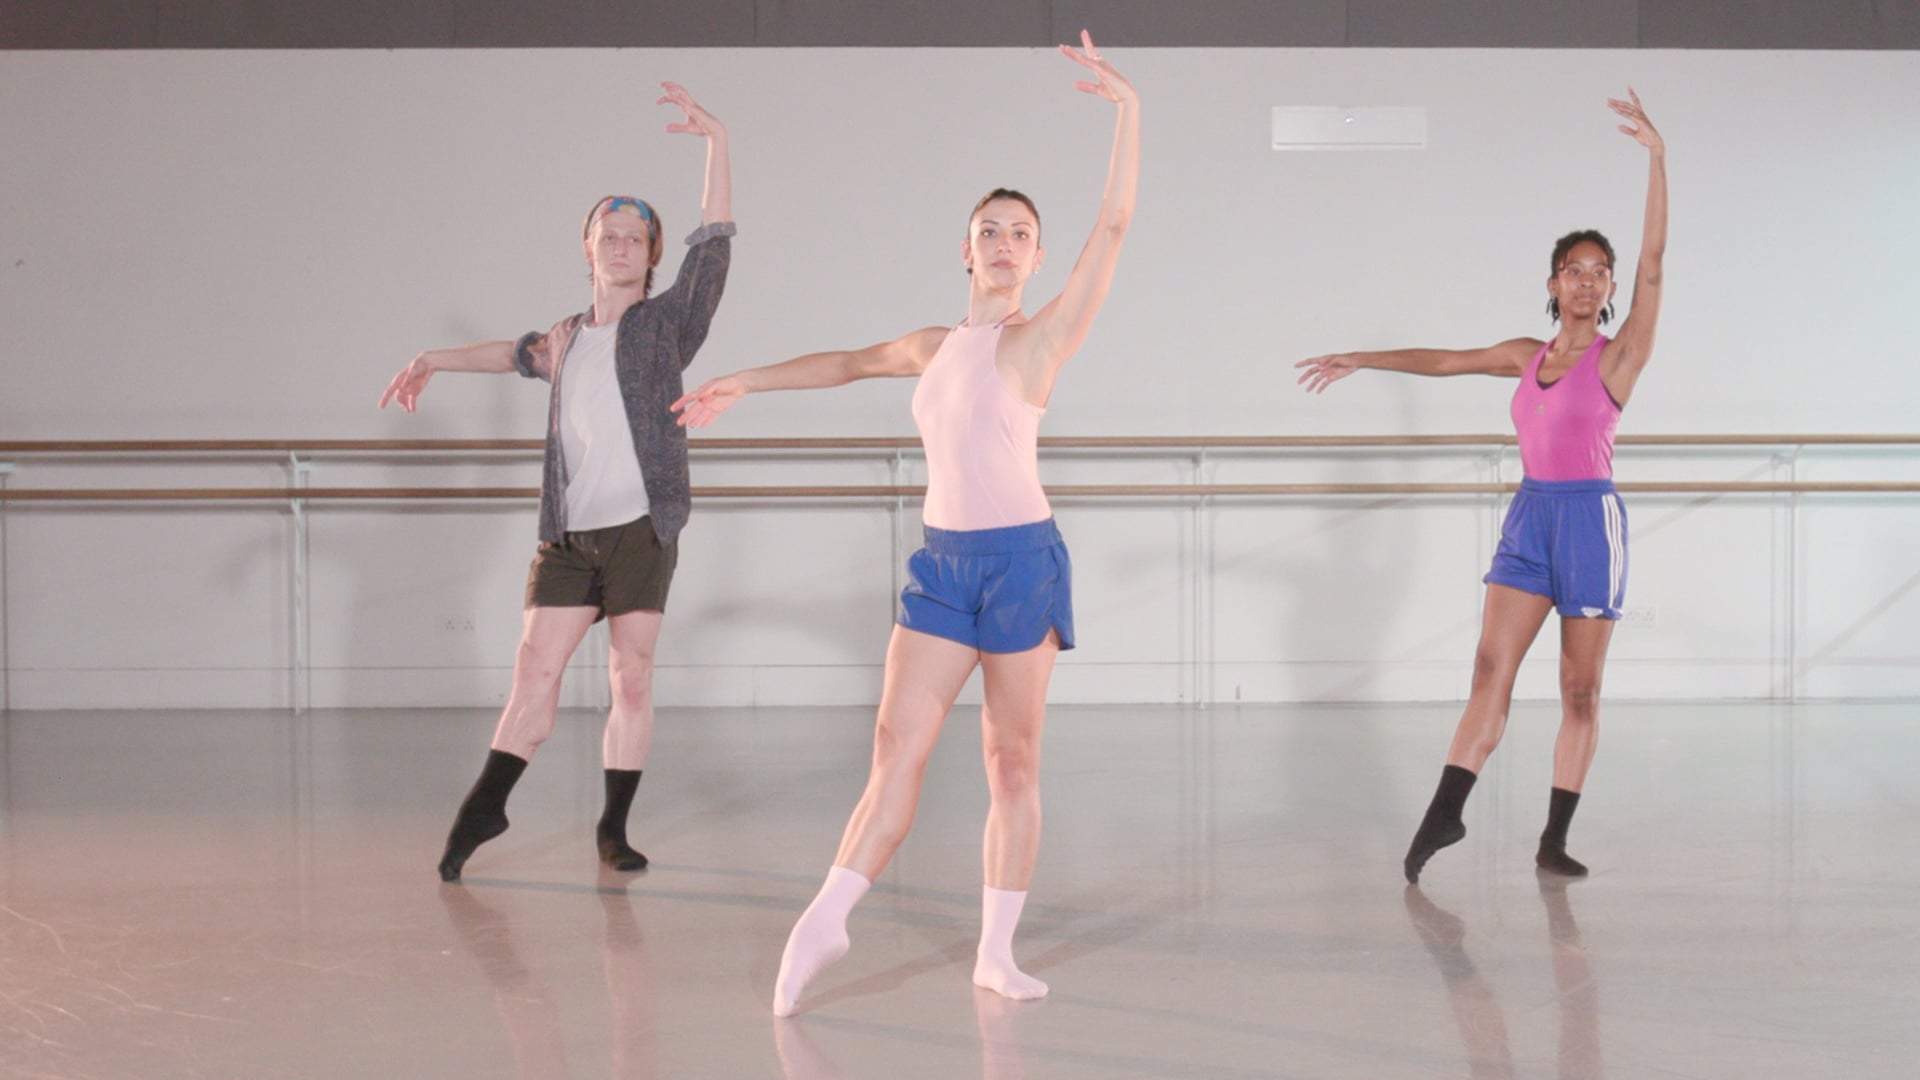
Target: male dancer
(614,494)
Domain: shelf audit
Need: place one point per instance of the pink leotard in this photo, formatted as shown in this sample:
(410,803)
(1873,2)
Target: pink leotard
(981,438)
(1566,427)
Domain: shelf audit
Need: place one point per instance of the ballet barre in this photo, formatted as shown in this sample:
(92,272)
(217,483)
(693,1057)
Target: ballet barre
(912,491)
(77,447)
(300,449)
(64,467)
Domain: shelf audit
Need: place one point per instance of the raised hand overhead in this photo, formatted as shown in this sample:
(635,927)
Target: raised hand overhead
(1109,83)
(1641,128)
(1058,329)
(716,202)
(698,122)
(1628,354)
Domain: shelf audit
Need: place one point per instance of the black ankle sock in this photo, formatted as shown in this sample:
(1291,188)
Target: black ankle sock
(1560,815)
(611,833)
(1554,859)
(1442,825)
(483,815)
(1553,842)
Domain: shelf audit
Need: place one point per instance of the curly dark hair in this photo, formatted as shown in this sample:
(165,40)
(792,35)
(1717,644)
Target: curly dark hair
(1560,249)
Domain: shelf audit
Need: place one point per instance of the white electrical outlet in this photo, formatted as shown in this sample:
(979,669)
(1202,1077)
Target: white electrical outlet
(1334,127)
(1639,615)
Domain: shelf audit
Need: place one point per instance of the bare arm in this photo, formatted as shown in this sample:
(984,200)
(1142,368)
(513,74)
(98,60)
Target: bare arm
(1061,326)
(716,201)
(1509,359)
(891,359)
(1628,354)
(489,356)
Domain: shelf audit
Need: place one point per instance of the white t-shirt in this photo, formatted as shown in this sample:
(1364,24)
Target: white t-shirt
(604,485)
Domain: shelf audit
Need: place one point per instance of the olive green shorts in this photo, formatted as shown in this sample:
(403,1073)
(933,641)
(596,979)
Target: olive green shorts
(618,569)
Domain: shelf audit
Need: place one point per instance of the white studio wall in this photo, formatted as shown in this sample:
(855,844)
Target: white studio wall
(250,244)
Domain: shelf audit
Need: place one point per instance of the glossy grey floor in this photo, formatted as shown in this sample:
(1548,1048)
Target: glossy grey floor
(1219,895)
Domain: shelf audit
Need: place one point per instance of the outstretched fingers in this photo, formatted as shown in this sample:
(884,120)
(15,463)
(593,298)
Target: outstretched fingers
(1641,129)
(1322,371)
(675,94)
(405,388)
(693,414)
(704,403)
(1111,84)
(699,121)
(688,405)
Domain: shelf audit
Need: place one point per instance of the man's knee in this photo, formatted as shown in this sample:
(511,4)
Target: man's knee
(632,684)
(537,665)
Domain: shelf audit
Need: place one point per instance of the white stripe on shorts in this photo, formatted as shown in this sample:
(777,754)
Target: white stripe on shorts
(1616,549)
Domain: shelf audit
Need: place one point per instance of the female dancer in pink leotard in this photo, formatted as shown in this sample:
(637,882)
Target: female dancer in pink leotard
(1564,543)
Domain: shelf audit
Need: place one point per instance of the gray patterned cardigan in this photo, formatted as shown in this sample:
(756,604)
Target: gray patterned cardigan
(655,343)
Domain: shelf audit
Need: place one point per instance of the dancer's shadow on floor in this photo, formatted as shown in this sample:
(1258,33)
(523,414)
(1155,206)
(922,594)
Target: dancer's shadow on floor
(527,1009)
(996,1018)
(1476,1009)
(880,982)
(1096,930)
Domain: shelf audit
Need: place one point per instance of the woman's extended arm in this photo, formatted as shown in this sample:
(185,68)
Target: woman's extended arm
(1509,358)
(903,356)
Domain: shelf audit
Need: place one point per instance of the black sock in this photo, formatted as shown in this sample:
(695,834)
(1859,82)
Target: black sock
(612,831)
(1553,842)
(1442,825)
(483,815)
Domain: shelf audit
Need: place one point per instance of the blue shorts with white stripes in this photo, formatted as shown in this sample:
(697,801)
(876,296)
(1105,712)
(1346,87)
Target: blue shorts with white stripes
(1566,540)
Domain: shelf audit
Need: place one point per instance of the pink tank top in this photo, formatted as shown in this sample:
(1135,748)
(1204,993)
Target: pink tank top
(1566,427)
(981,438)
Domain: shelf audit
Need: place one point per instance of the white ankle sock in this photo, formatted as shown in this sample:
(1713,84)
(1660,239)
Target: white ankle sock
(993,966)
(819,938)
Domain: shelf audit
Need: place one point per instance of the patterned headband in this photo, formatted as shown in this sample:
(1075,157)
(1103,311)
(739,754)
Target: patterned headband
(624,203)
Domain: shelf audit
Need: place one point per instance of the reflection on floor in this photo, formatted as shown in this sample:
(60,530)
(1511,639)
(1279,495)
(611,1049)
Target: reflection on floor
(253,895)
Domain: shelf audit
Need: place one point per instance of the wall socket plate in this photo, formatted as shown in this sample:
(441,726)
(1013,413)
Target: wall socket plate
(1639,615)
(1335,127)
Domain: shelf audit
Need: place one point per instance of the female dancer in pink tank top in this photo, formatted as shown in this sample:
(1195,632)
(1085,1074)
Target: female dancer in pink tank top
(990,589)
(1564,543)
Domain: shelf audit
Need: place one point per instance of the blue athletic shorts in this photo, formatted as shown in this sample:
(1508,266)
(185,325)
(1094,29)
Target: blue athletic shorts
(996,590)
(1566,540)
